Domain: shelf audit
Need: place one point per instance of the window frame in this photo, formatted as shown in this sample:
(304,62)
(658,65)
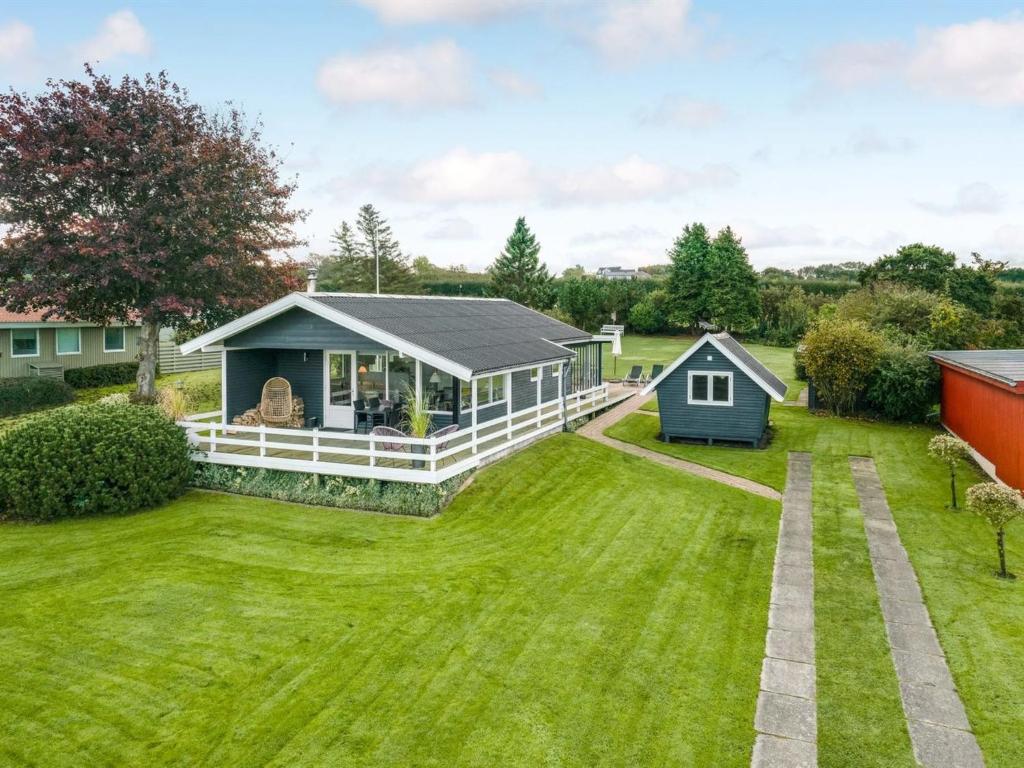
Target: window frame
(711,388)
(556,370)
(34,354)
(536,373)
(124,339)
(56,342)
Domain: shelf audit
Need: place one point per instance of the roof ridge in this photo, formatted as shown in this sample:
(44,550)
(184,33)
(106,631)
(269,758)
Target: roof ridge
(351,295)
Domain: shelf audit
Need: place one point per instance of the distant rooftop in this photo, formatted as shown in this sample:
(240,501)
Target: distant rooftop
(1005,365)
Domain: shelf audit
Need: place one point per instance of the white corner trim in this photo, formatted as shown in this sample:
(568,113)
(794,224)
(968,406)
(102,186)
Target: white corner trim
(708,337)
(689,388)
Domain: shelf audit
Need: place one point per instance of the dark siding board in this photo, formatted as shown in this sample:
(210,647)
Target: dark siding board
(306,377)
(486,413)
(247,372)
(524,391)
(299,329)
(745,420)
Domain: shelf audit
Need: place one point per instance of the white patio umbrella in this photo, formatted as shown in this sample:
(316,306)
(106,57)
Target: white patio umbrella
(616,351)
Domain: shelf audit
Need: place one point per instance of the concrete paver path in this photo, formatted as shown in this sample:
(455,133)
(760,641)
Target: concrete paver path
(786,720)
(939,730)
(594,430)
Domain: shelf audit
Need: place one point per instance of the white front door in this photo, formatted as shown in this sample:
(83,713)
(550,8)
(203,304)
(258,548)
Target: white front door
(339,381)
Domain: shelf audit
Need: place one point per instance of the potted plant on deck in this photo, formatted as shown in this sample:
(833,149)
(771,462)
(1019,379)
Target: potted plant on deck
(416,422)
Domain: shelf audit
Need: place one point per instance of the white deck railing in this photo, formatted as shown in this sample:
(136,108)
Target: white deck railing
(408,459)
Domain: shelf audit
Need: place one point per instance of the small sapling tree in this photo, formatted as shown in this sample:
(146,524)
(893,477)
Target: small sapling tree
(950,450)
(1000,506)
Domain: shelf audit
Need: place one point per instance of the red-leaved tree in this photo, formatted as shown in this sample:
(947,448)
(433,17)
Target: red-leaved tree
(125,201)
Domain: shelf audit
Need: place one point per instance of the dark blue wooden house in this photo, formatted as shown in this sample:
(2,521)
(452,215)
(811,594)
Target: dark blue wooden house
(716,391)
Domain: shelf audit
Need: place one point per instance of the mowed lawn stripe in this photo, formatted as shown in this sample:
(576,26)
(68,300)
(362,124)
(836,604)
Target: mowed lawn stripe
(860,718)
(573,606)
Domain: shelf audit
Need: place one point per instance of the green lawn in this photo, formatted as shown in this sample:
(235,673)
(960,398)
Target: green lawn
(978,617)
(648,350)
(574,606)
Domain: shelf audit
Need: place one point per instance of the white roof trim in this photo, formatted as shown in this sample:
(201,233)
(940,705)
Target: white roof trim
(708,337)
(303,301)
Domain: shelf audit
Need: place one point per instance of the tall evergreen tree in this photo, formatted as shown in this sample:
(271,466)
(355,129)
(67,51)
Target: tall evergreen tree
(733,300)
(687,277)
(359,254)
(518,273)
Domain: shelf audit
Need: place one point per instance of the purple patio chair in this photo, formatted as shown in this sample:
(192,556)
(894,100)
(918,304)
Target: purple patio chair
(445,432)
(388,432)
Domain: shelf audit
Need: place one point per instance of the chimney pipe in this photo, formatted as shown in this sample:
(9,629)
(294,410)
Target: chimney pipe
(311,274)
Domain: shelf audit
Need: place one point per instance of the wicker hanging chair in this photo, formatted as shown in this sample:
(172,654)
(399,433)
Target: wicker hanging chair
(276,402)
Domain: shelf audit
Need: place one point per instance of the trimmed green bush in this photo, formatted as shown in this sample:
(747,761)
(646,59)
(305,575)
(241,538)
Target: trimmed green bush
(905,385)
(106,375)
(32,392)
(91,460)
(329,491)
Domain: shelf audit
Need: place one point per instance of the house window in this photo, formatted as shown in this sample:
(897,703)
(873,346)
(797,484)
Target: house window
(25,342)
(465,395)
(535,374)
(709,388)
(490,390)
(69,341)
(113,339)
(438,391)
(498,388)
(556,370)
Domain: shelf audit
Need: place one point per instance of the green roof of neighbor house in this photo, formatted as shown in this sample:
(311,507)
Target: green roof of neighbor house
(1005,365)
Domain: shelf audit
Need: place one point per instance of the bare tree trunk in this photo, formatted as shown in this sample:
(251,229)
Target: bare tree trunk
(952,485)
(149,349)
(1002,554)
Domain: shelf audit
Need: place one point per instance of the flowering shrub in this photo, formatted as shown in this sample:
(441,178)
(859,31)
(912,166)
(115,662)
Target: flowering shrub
(1000,506)
(950,450)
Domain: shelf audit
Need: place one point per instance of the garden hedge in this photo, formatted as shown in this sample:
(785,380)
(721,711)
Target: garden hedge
(90,460)
(32,392)
(107,375)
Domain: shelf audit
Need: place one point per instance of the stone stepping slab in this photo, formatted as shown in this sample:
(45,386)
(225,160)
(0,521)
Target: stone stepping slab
(940,732)
(786,719)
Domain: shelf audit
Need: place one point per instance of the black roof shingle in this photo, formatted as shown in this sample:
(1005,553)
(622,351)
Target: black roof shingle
(755,365)
(480,334)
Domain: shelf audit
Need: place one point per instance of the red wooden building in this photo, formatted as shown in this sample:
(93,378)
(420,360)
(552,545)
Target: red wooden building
(983,404)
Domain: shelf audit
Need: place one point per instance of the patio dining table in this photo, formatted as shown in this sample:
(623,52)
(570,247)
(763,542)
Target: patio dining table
(386,415)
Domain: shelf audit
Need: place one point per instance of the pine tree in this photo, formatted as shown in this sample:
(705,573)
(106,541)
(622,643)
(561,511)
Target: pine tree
(518,273)
(733,299)
(354,264)
(687,277)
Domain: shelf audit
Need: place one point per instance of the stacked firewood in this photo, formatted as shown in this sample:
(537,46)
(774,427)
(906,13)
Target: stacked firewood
(252,418)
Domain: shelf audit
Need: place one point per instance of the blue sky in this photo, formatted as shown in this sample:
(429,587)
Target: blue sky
(819,132)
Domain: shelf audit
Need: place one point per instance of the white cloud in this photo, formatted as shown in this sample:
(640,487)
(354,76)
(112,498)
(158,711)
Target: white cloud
(431,75)
(978,197)
(848,65)
(1007,241)
(121,34)
(17,41)
(515,84)
(685,113)
(868,141)
(426,11)
(463,176)
(628,31)
(761,236)
(454,228)
(980,61)
(636,178)
(631,234)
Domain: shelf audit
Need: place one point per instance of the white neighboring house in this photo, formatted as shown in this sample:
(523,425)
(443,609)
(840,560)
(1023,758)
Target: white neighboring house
(618,273)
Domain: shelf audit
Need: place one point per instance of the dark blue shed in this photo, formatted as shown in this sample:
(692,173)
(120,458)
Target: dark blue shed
(716,390)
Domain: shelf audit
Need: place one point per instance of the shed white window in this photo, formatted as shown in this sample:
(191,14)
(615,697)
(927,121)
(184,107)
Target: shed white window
(24,342)
(69,341)
(113,339)
(709,388)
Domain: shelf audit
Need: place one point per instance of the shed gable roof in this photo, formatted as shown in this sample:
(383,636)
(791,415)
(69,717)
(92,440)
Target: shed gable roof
(1002,365)
(738,355)
(467,336)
